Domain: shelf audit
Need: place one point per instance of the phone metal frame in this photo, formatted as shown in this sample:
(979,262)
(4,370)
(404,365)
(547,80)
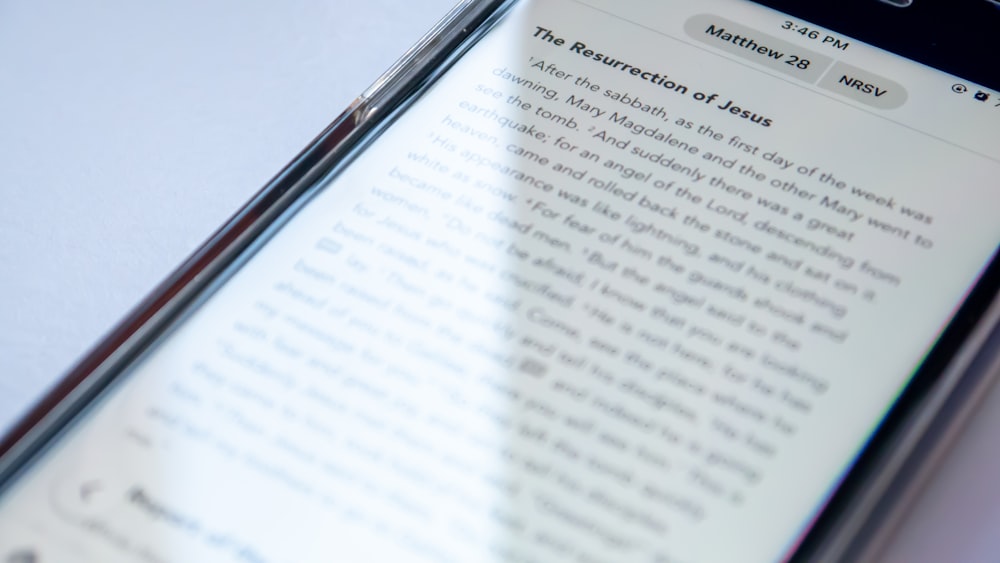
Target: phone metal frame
(860,521)
(240,236)
(854,525)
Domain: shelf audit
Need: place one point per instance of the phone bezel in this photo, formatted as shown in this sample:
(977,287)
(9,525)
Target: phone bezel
(835,529)
(237,239)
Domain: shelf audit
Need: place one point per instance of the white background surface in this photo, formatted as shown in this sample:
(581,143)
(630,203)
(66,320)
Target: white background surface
(130,131)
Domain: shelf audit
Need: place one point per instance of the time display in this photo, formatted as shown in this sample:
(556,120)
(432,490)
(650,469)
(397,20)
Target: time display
(815,34)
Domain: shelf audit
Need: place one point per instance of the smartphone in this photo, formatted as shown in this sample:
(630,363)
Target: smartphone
(575,280)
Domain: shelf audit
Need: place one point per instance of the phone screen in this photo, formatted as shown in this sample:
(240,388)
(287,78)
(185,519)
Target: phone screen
(630,282)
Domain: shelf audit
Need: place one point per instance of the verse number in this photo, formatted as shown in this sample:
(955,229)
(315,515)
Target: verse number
(797,62)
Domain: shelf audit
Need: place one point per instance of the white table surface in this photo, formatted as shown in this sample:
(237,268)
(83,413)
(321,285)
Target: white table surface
(130,130)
